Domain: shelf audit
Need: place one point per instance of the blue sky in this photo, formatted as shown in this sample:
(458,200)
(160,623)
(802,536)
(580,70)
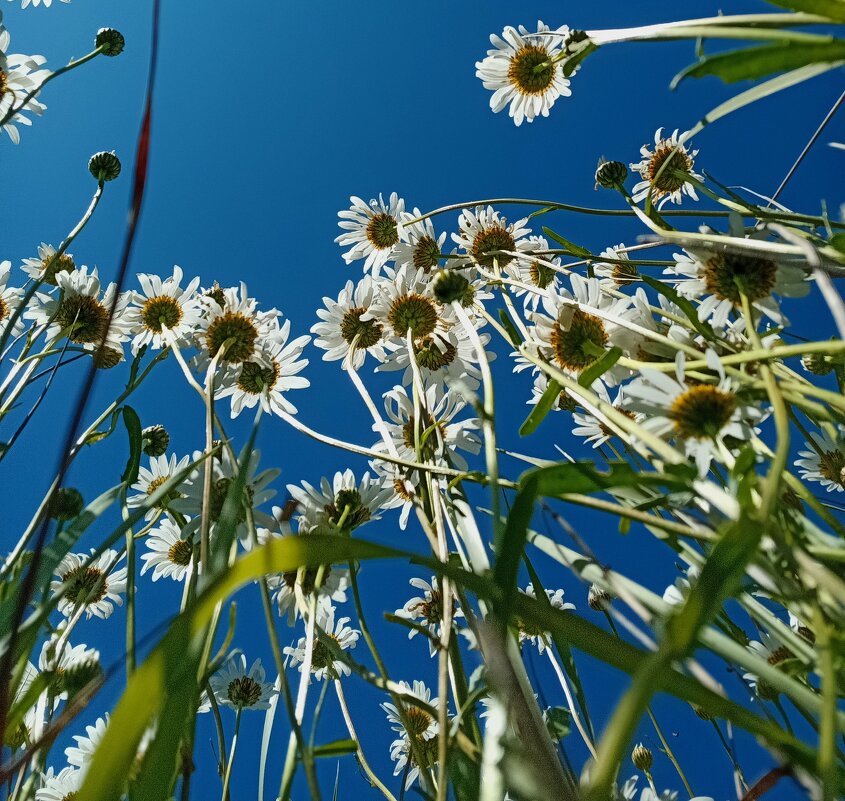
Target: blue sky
(267,117)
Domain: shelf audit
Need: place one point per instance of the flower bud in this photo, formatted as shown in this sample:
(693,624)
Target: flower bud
(610,174)
(450,285)
(642,758)
(156,440)
(76,678)
(66,504)
(104,166)
(598,599)
(110,40)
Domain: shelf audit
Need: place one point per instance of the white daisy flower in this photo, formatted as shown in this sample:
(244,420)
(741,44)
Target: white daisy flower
(441,436)
(718,279)
(568,332)
(160,471)
(667,170)
(423,729)
(19,75)
(372,231)
(232,316)
(565,401)
(10,298)
(266,380)
(771,649)
(81,754)
(323,664)
(283,586)
(422,247)
(256,492)
(45,266)
(592,426)
(443,358)
(644,348)
(67,660)
(406,303)
(675,594)
(168,554)
(531,633)
(342,333)
(697,416)
(484,233)
(35,3)
(615,274)
(239,688)
(402,486)
(824,460)
(320,510)
(164,305)
(91,581)
(428,610)
(524,71)
(534,269)
(61,786)
(32,726)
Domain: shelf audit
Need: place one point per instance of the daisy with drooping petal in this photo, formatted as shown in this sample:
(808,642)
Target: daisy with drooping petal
(618,273)
(284,587)
(528,632)
(565,401)
(372,231)
(164,305)
(773,651)
(404,493)
(321,510)
(268,379)
(428,610)
(323,663)
(239,688)
(81,754)
(61,786)
(10,298)
(19,75)
(422,247)
(342,333)
(592,426)
(487,238)
(824,460)
(524,71)
(698,416)
(536,269)
(91,581)
(168,554)
(160,471)
(667,171)
(441,436)
(69,660)
(422,728)
(45,266)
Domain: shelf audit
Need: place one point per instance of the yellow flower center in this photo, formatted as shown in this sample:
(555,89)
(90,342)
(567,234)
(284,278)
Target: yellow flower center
(531,70)
(702,411)
(160,312)
(382,231)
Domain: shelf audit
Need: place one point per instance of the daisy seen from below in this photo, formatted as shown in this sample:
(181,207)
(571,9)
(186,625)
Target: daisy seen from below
(719,279)
(773,651)
(823,459)
(80,755)
(441,436)
(91,582)
(45,266)
(285,586)
(69,660)
(528,632)
(427,609)
(323,663)
(162,308)
(619,272)
(19,75)
(592,425)
(268,379)
(487,238)
(372,231)
(239,688)
(422,729)
(403,491)
(524,70)
(342,333)
(697,416)
(406,303)
(61,786)
(151,478)
(168,555)
(667,171)
(422,246)
(10,298)
(344,498)
(536,269)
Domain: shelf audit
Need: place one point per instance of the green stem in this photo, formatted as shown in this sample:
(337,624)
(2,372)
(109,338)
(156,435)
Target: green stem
(231,761)
(668,751)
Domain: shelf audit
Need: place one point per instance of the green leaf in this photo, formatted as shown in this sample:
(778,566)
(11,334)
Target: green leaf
(599,367)
(513,334)
(672,294)
(575,250)
(464,775)
(752,63)
(837,241)
(558,722)
(832,9)
(336,748)
(541,409)
(583,477)
(133,426)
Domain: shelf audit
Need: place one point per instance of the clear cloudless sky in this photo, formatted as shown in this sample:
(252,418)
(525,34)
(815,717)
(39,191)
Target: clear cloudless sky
(267,116)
